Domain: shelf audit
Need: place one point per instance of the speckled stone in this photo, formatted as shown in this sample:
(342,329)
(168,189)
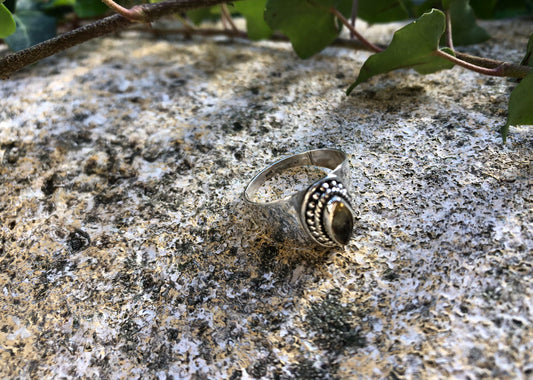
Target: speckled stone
(125,252)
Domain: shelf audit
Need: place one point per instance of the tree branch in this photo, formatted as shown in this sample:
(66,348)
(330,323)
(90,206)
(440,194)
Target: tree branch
(151,12)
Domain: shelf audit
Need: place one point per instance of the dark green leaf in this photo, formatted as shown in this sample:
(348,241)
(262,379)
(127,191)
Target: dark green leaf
(32,27)
(201,14)
(483,8)
(413,46)
(90,8)
(310,25)
(528,60)
(427,6)
(7,24)
(512,8)
(520,111)
(10,4)
(253,11)
(465,30)
(488,9)
(59,3)
(383,10)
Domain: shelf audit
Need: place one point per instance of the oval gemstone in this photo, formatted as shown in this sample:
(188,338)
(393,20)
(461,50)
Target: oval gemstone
(341,220)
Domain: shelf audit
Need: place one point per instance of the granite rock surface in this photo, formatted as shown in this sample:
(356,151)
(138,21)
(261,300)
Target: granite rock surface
(125,251)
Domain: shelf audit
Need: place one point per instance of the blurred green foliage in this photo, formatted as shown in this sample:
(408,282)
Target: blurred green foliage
(311,26)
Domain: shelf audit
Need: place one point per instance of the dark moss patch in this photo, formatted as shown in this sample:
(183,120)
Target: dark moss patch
(334,324)
(306,369)
(159,358)
(78,240)
(74,140)
(50,185)
(474,355)
(390,275)
(237,374)
(128,330)
(173,335)
(267,257)
(109,197)
(12,153)
(258,369)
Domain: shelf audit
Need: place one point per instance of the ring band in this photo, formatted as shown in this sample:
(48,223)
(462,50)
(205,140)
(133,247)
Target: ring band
(322,213)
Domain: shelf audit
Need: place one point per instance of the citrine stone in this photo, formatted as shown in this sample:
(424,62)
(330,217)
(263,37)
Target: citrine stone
(339,221)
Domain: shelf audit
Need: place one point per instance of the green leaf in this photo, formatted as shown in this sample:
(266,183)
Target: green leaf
(309,24)
(465,30)
(520,111)
(383,10)
(413,46)
(59,3)
(90,8)
(7,23)
(201,14)
(483,8)
(10,5)
(488,9)
(253,11)
(32,27)
(527,61)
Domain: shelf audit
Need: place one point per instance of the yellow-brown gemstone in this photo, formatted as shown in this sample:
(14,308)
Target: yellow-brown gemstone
(338,220)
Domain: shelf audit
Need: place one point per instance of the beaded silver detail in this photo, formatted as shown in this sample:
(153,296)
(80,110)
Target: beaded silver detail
(315,216)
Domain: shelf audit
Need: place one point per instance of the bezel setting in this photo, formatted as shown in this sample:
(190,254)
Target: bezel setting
(327,214)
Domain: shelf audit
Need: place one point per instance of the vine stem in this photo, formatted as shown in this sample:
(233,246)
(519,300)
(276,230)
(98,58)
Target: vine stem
(209,32)
(227,15)
(504,69)
(16,61)
(449,36)
(478,64)
(134,14)
(359,36)
(355,8)
(151,12)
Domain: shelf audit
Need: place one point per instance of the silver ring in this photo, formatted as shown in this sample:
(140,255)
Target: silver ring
(321,214)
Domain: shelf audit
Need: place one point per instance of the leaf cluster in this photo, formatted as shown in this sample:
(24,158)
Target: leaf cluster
(426,44)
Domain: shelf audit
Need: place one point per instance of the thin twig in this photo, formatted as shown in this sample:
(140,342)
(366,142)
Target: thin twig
(478,61)
(449,36)
(209,32)
(227,16)
(346,23)
(134,14)
(185,22)
(355,8)
(505,69)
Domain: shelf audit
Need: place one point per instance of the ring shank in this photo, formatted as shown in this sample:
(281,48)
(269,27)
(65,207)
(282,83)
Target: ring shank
(326,158)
